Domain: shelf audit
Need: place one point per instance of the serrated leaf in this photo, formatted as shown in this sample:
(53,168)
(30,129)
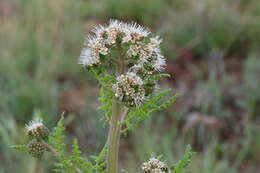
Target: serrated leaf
(155,103)
(181,165)
(155,77)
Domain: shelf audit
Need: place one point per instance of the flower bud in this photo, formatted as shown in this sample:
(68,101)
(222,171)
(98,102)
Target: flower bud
(36,149)
(36,129)
(155,166)
(129,89)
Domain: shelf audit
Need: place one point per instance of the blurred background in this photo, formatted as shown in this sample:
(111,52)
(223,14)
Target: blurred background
(213,54)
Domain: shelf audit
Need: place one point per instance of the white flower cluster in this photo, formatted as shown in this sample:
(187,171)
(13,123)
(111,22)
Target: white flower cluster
(155,166)
(34,124)
(129,89)
(149,54)
(36,129)
(139,45)
(131,46)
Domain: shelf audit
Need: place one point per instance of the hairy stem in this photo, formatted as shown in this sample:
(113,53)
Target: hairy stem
(115,128)
(37,166)
(113,138)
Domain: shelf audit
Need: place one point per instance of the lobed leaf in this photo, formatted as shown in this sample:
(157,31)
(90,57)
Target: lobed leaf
(181,165)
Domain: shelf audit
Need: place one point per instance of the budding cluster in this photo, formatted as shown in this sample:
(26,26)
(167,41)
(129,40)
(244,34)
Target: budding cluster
(155,166)
(36,129)
(36,149)
(132,39)
(129,89)
(37,132)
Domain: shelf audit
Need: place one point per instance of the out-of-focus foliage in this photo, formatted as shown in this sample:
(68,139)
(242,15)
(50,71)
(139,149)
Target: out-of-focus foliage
(213,55)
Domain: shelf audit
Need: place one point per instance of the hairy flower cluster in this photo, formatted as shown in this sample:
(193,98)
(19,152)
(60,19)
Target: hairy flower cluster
(155,166)
(129,89)
(149,54)
(131,46)
(36,129)
(139,47)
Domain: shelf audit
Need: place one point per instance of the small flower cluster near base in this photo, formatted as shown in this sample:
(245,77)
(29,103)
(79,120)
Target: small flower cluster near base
(36,132)
(131,44)
(154,165)
(36,129)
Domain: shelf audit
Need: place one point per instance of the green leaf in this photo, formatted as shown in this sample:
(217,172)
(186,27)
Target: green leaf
(156,77)
(106,94)
(181,165)
(77,161)
(155,103)
(19,147)
(72,163)
(100,161)
(56,139)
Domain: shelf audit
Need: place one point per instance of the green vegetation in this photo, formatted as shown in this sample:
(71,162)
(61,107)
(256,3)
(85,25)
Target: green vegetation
(213,56)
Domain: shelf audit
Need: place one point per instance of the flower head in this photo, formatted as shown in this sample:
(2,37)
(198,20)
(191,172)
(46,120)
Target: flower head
(129,89)
(36,129)
(148,54)
(130,46)
(154,166)
(132,39)
(36,149)
(135,32)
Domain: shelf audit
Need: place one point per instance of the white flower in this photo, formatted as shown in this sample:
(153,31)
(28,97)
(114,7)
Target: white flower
(156,41)
(90,55)
(34,124)
(160,63)
(36,129)
(113,23)
(99,31)
(154,166)
(86,59)
(146,54)
(110,33)
(149,54)
(113,30)
(129,89)
(135,32)
(136,80)
(134,50)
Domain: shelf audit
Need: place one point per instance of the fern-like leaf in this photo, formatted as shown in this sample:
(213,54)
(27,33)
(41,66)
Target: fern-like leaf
(77,161)
(155,103)
(100,161)
(57,138)
(19,147)
(180,166)
(156,77)
(106,94)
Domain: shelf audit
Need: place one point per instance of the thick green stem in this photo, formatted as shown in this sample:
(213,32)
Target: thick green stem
(115,126)
(113,138)
(37,166)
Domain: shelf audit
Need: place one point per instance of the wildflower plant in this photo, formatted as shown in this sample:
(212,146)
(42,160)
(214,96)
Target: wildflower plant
(127,61)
